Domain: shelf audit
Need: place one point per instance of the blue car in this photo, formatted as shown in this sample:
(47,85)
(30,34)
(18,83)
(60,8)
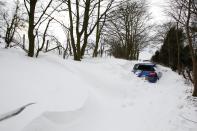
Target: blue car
(146,70)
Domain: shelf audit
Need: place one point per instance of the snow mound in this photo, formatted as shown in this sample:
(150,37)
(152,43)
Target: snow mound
(92,95)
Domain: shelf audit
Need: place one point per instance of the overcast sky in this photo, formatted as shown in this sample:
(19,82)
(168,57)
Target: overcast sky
(157,8)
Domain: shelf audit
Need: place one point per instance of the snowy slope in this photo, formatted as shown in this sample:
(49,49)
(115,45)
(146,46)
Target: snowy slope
(92,95)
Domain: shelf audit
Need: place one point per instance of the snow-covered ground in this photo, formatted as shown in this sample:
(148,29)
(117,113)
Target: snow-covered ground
(93,95)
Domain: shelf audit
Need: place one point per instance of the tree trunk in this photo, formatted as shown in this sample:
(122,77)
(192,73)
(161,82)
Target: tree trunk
(47,45)
(23,41)
(78,58)
(195,79)
(84,44)
(95,53)
(71,30)
(31,35)
(97,31)
(178,51)
(85,27)
(7,38)
(78,33)
(69,46)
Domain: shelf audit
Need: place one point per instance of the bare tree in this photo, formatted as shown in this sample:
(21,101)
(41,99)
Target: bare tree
(43,38)
(98,24)
(99,27)
(12,22)
(80,25)
(30,6)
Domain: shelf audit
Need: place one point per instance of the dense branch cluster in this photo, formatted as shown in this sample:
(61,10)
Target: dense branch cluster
(127,29)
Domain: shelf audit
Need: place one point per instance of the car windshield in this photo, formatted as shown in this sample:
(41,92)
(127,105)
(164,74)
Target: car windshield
(145,68)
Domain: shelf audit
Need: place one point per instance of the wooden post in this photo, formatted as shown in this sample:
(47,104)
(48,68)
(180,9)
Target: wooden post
(64,55)
(46,49)
(23,41)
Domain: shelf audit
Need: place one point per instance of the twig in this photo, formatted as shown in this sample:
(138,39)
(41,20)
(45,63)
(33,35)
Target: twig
(14,113)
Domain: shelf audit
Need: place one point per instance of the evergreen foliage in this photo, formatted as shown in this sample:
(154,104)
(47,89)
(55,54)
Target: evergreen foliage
(168,54)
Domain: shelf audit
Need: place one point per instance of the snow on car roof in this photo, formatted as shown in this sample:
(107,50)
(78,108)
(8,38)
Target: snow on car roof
(151,64)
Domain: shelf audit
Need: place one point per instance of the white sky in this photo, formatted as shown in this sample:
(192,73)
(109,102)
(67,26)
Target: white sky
(157,8)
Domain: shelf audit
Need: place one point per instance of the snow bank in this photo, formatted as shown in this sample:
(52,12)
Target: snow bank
(92,95)
(52,85)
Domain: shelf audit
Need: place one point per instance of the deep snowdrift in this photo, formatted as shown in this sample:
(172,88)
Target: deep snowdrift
(92,95)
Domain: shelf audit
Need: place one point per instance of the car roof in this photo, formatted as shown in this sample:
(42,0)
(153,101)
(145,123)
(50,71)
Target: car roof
(148,64)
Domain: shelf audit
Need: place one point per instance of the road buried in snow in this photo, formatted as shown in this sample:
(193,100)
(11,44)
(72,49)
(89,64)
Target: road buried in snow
(118,101)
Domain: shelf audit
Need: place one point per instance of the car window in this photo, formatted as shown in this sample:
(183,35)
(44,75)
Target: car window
(135,67)
(145,68)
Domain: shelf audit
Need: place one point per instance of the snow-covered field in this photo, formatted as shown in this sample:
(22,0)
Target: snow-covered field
(92,95)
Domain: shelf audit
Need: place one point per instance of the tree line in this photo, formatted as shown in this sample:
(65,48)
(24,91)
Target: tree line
(179,49)
(118,28)
(127,29)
